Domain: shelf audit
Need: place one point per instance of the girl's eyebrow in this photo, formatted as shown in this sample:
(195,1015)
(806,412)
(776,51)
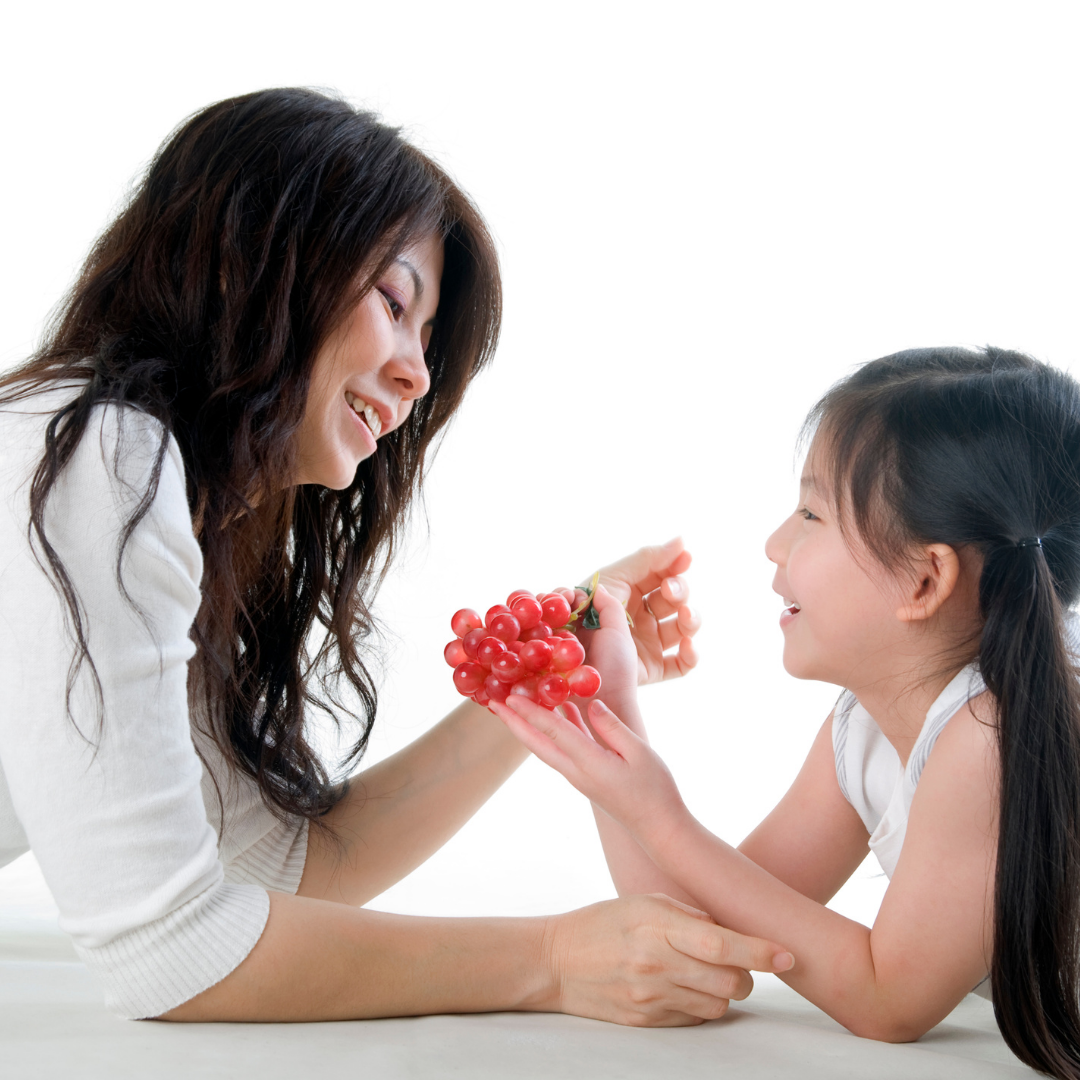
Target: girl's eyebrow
(808,480)
(418,285)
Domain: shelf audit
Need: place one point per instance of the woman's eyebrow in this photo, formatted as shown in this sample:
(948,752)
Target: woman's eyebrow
(418,285)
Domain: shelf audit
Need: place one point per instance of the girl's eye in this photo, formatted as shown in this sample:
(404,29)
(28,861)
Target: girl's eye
(807,514)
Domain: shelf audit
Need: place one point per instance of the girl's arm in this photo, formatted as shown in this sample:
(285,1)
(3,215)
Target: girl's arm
(813,840)
(642,961)
(930,943)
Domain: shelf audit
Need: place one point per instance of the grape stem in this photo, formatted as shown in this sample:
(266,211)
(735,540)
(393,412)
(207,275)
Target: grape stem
(591,620)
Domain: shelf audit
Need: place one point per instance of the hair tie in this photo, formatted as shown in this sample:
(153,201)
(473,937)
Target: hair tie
(1029,541)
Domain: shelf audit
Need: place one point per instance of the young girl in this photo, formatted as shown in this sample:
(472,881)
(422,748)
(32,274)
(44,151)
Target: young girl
(928,569)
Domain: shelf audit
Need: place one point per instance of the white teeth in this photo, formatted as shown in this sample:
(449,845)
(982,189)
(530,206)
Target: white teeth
(374,420)
(368,412)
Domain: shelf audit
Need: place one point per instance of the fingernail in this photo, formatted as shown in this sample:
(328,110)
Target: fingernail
(676,588)
(783,961)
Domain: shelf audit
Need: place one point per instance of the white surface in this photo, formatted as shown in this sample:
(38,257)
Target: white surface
(52,1026)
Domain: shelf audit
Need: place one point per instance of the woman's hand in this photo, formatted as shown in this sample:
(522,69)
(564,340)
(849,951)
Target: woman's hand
(656,598)
(651,961)
(610,765)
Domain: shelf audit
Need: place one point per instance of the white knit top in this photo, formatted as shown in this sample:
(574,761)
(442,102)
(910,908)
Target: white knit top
(162,896)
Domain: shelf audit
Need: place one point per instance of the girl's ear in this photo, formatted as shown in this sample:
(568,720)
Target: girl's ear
(937,572)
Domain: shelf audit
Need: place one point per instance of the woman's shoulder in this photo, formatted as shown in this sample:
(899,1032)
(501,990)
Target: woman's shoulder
(121,443)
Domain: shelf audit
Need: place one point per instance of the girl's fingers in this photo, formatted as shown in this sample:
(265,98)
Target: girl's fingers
(573,714)
(611,729)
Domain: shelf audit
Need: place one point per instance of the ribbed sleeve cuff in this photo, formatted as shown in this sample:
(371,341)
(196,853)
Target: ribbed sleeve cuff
(275,862)
(156,967)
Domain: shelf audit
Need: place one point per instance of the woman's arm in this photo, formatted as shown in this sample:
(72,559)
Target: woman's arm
(401,811)
(930,943)
(641,961)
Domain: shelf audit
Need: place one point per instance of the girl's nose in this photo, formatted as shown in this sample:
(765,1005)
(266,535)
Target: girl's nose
(776,546)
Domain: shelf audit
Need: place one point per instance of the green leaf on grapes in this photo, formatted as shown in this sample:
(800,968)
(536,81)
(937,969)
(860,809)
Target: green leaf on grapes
(591,620)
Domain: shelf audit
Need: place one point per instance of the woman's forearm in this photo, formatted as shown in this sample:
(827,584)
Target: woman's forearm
(324,961)
(402,810)
(642,961)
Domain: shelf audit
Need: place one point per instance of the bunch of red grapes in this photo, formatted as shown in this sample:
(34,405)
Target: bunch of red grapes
(524,646)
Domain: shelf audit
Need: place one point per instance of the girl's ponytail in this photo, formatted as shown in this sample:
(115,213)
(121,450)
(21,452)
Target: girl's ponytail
(980,450)
(1025,663)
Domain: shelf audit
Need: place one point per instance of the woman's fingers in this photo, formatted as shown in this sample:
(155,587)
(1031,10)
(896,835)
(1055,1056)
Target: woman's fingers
(685,625)
(678,664)
(647,567)
(717,946)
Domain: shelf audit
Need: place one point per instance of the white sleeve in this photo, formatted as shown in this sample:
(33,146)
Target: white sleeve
(115,814)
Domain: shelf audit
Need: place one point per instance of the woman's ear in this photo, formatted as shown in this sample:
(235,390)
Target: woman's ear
(937,570)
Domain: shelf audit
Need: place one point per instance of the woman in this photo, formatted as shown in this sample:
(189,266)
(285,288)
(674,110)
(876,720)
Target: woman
(205,469)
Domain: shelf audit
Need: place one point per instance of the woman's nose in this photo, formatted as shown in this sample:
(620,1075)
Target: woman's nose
(410,371)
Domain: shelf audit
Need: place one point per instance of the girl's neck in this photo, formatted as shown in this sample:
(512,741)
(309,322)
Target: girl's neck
(899,701)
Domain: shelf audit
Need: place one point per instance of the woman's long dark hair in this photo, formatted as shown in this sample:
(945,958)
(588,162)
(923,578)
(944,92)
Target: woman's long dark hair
(982,449)
(256,229)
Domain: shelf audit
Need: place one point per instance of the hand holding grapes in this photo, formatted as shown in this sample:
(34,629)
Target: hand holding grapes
(604,760)
(650,585)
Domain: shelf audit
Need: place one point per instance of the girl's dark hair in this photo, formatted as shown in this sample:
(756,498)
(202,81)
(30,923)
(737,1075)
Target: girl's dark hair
(982,448)
(257,228)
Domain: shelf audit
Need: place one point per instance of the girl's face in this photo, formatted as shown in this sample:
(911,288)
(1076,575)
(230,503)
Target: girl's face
(840,619)
(370,369)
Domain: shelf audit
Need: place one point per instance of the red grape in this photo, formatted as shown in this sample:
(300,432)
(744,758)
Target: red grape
(540,632)
(535,655)
(584,681)
(515,646)
(505,626)
(568,653)
(564,632)
(465,620)
(552,690)
(527,611)
(481,697)
(495,609)
(556,610)
(516,595)
(496,689)
(489,648)
(455,653)
(472,639)
(527,688)
(566,594)
(468,678)
(507,667)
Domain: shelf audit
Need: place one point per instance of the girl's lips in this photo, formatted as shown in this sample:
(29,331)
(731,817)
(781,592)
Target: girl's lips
(788,615)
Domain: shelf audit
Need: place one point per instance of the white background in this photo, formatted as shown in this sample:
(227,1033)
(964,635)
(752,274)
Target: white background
(707,212)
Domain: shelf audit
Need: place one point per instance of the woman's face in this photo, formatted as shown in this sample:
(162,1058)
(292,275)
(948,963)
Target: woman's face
(370,369)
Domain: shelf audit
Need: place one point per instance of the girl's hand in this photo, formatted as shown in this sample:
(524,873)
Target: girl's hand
(608,764)
(651,961)
(656,598)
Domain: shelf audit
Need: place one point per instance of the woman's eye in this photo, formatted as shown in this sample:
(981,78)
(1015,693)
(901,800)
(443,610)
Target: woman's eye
(808,515)
(394,302)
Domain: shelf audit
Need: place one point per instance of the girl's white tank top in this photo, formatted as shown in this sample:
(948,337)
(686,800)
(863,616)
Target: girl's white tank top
(868,767)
